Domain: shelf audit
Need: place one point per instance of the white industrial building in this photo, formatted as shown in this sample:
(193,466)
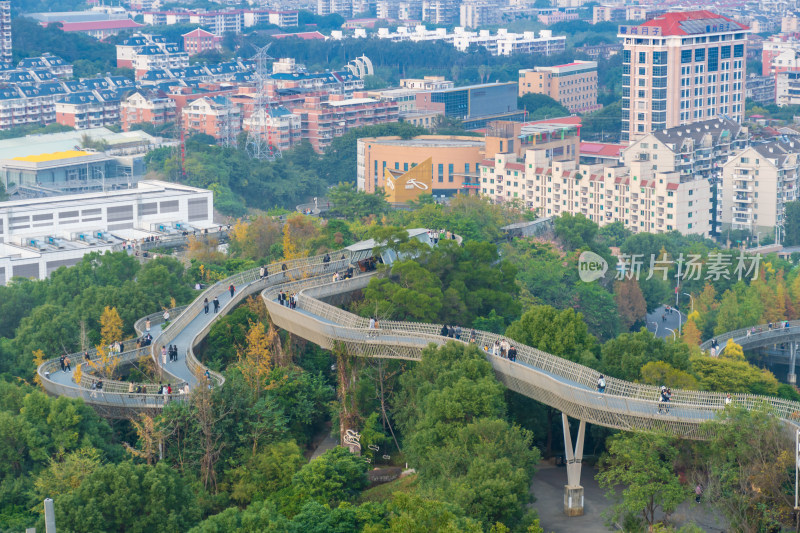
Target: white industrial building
(38,236)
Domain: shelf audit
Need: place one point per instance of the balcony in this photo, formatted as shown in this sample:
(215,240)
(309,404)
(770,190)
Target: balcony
(742,211)
(742,199)
(742,188)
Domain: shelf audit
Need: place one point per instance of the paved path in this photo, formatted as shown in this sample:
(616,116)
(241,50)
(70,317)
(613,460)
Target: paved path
(548,488)
(178,368)
(658,326)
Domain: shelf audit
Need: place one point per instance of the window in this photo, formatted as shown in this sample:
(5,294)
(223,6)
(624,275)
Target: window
(738,50)
(450,172)
(441,172)
(725,52)
(642,57)
(713,59)
(686,56)
(405,167)
(700,54)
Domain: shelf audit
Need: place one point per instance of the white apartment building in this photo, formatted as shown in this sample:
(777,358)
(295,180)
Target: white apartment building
(757,182)
(5,32)
(681,68)
(696,151)
(41,235)
(502,43)
(150,52)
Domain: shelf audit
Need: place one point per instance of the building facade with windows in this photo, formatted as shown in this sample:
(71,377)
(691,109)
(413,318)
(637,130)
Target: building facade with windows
(573,85)
(38,236)
(695,152)
(681,68)
(756,185)
(454,161)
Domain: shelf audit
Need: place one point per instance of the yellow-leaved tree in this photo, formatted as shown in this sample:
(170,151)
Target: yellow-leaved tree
(691,333)
(110,332)
(733,352)
(255,360)
(38,359)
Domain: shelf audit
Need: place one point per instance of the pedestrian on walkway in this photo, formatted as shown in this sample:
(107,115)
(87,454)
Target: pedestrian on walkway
(66,364)
(601,384)
(232,288)
(372,323)
(86,355)
(728,399)
(166,315)
(205,305)
(61,360)
(261,272)
(512,353)
(216,305)
(698,491)
(130,387)
(444,331)
(147,325)
(164,355)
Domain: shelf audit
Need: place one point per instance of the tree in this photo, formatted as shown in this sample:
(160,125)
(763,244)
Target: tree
(411,293)
(575,231)
(660,373)
(151,498)
(255,361)
(562,333)
(541,106)
(110,332)
(266,473)
(747,469)
(335,476)
(645,464)
(691,333)
(725,375)
(630,301)
(350,203)
(733,352)
(625,356)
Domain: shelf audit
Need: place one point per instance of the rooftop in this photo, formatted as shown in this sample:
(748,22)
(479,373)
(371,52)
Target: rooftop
(692,23)
(33,145)
(126,24)
(430,142)
(55,156)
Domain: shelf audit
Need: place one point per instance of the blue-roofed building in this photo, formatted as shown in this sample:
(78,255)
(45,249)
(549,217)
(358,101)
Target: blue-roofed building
(144,52)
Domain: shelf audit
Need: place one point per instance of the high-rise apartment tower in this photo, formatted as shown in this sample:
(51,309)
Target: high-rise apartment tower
(680,68)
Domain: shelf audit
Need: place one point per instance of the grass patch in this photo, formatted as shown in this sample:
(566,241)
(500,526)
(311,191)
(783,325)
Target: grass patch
(384,492)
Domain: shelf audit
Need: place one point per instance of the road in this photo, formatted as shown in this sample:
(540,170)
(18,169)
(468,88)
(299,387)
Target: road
(660,327)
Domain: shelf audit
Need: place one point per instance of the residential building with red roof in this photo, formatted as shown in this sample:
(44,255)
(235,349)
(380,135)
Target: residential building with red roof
(199,40)
(101,29)
(680,68)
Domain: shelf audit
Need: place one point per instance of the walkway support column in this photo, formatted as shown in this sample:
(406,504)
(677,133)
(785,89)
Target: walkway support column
(792,377)
(573,491)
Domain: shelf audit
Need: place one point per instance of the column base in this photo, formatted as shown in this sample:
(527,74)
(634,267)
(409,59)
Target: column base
(792,378)
(573,500)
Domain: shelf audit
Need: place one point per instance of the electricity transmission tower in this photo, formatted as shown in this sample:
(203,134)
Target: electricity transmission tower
(260,142)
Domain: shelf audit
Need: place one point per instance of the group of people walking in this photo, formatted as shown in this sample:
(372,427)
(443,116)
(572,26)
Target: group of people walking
(289,301)
(215,301)
(171,351)
(504,349)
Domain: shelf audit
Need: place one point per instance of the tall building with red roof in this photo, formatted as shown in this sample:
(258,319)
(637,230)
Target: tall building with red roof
(680,68)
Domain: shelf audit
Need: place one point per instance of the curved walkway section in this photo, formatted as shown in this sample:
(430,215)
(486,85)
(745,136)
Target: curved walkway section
(562,384)
(190,325)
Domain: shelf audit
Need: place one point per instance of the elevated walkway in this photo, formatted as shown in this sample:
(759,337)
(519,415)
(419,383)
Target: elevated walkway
(554,381)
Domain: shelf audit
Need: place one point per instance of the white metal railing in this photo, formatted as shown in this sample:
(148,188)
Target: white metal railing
(695,405)
(116,393)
